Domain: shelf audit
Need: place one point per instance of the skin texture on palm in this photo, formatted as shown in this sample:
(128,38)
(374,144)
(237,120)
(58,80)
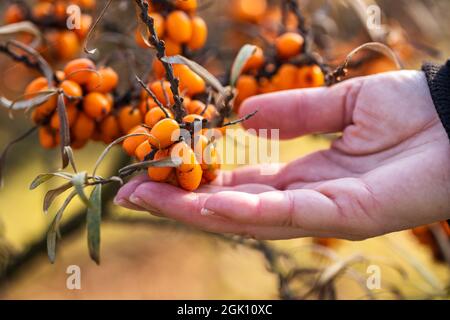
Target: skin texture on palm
(389,171)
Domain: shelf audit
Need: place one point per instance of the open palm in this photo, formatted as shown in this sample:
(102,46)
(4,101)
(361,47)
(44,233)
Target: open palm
(389,171)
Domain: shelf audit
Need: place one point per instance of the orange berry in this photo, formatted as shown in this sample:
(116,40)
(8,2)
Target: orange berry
(160,174)
(158,69)
(289,45)
(189,173)
(78,144)
(72,115)
(96,105)
(109,129)
(249,10)
(79,70)
(42,10)
(47,138)
(173,48)
(83,128)
(146,105)
(85,24)
(310,77)
(162,91)
(164,133)
(104,81)
(179,27)
(129,118)
(131,143)
(155,115)
(86,4)
(14,14)
(191,118)
(143,150)
(67,45)
(186,5)
(195,107)
(210,112)
(71,88)
(45,109)
(199,34)
(247,87)
(190,82)
(286,77)
(256,61)
(159,23)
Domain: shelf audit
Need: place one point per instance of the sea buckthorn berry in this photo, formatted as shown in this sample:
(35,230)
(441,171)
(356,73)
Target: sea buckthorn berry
(190,82)
(200,143)
(210,112)
(191,118)
(173,48)
(129,118)
(71,88)
(131,143)
(47,138)
(186,5)
(190,180)
(256,61)
(155,115)
(67,45)
(146,105)
(59,10)
(162,91)
(42,10)
(310,77)
(199,34)
(78,144)
(286,77)
(86,4)
(72,115)
(249,10)
(164,133)
(178,25)
(85,24)
(79,70)
(158,69)
(289,45)
(109,129)
(96,105)
(143,150)
(14,14)
(247,87)
(266,86)
(195,107)
(104,81)
(139,38)
(45,109)
(160,174)
(159,23)
(83,128)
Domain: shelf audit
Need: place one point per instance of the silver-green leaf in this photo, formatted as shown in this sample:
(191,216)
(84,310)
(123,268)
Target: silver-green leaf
(239,63)
(93,220)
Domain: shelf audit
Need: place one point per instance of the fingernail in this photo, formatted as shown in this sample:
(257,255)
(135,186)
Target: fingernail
(205,212)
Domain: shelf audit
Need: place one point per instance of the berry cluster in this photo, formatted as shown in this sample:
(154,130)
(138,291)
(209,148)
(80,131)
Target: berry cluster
(89,104)
(282,72)
(178,25)
(51,16)
(162,134)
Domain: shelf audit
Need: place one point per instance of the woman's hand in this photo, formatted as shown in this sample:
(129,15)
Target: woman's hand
(389,171)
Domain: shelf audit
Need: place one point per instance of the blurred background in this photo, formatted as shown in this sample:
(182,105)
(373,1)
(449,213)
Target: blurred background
(150,258)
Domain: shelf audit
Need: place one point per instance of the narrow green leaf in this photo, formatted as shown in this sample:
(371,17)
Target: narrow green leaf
(54,229)
(239,63)
(94,216)
(51,195)
(42,178)
(170,162)
(64,131)
(79,182)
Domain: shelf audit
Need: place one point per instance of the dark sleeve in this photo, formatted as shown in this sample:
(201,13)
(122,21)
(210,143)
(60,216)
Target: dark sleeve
(438,77)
